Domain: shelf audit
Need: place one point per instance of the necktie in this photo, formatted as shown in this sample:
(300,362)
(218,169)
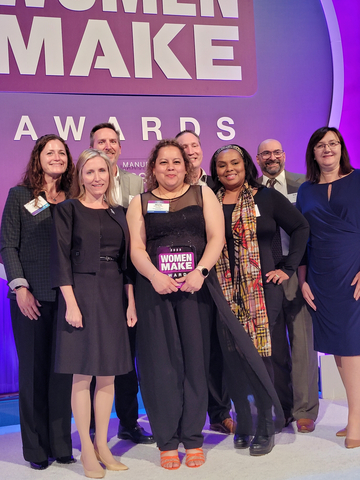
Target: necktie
(276,247)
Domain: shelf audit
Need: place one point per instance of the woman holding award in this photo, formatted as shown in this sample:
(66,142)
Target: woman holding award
(174,322)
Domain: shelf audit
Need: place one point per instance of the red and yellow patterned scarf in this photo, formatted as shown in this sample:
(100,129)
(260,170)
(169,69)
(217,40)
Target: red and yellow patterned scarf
(244,293)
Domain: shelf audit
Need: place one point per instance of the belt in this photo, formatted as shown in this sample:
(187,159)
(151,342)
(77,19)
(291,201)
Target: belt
(107,258)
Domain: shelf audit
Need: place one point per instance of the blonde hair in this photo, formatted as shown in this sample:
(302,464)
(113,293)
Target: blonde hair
(79,189)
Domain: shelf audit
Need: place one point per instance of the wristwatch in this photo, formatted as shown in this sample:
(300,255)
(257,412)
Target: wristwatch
(203,270)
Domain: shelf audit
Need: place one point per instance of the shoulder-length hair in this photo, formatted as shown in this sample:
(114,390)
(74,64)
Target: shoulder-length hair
(150,179)
(312,168)
(79,189)
(34,174)
(251,173)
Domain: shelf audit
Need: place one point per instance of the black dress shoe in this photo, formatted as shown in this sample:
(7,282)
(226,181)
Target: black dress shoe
(136,434)
(261,445)
(39,465)
(66,460)
(241,441)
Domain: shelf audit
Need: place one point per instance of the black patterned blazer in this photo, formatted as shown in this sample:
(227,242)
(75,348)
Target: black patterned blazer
(25,244)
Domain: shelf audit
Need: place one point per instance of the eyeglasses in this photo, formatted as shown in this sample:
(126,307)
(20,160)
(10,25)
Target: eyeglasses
(321,146)
(266,155)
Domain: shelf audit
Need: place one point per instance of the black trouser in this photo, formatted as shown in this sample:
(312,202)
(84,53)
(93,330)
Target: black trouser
(44,396)
(173,358)
(126,389)
(219,399)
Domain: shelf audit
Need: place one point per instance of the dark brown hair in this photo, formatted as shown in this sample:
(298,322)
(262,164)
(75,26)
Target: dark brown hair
(312,168)
(188,131)
(99,126)
(34,175)
(150,180)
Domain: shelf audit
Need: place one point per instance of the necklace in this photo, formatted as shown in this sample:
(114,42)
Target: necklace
(51,197)
(174,197)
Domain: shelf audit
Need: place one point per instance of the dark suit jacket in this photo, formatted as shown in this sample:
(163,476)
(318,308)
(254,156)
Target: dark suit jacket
(25,244)
(210,182)
(293,182)
(75,241)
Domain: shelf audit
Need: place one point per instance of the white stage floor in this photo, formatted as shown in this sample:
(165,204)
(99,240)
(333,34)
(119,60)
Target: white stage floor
(315,456)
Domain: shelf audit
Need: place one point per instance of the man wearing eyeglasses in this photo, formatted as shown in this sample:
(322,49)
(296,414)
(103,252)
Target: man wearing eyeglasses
(295,373)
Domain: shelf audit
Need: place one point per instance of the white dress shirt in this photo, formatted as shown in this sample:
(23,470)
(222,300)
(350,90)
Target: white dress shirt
(202,179)
(117,190)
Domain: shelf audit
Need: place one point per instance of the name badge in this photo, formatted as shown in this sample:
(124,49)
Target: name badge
(158,206)
(292,197)
(41,204)
(257,211)
(176,262)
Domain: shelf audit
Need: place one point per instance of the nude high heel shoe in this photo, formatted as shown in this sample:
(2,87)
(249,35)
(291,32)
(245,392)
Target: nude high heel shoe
(93,473)
(117,466)
(351,443)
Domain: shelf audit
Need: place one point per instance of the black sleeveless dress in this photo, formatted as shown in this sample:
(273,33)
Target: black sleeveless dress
(173,337)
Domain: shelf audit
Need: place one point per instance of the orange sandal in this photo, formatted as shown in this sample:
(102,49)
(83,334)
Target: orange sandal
(198,454)
(169,460)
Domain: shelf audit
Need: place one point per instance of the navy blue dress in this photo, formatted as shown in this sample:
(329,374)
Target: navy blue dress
(333,262)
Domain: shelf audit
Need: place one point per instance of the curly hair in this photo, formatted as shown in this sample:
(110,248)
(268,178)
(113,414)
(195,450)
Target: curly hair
(312,168)
(34,175)
(150,179)
(79,189)
(251,173)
